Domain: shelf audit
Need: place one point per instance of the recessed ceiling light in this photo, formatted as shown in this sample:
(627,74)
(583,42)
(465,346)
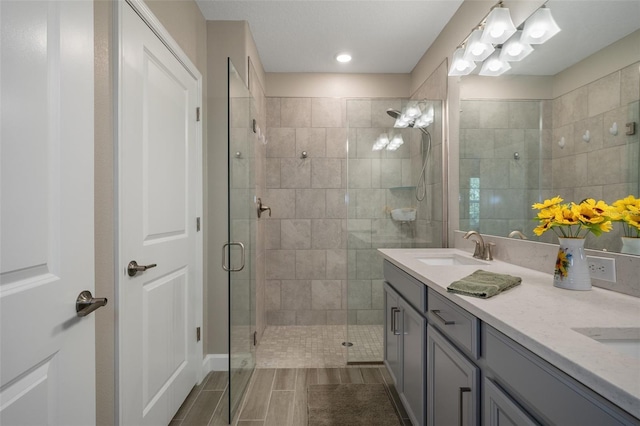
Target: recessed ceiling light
(343,57)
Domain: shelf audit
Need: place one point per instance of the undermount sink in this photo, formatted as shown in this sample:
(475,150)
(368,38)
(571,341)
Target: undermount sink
(625,340)
(449,260)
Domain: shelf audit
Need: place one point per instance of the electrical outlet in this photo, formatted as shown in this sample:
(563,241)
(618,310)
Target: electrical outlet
(602,268)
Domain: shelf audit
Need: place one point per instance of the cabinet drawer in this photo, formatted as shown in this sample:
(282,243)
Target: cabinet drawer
(455,323)
(545,391)
(412,290)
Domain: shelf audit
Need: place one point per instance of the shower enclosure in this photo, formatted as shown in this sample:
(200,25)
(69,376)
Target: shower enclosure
(394,198)
(242,239)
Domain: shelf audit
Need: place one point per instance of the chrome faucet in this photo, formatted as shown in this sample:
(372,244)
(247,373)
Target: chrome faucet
(518,234)
(480,247)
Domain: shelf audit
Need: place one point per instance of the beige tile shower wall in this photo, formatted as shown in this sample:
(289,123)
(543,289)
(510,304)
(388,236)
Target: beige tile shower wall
(316,247)
(305,239)
(607,166)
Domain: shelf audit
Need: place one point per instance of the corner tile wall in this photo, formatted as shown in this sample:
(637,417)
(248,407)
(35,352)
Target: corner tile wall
(313,244)
(379,182)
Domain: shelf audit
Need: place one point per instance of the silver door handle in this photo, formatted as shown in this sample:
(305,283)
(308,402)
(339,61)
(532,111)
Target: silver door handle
(86,303)
(224,257)
(133,268)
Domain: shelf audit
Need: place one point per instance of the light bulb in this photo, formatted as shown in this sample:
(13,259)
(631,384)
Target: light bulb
(478,49)
(494,65)
(497,31)
(462,65)
(537,32)
(515,49)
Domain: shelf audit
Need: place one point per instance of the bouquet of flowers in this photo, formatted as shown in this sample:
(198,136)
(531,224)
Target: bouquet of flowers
(571,220)
(627,211)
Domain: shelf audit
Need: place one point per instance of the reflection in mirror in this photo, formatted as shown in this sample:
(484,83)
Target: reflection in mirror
(556,124)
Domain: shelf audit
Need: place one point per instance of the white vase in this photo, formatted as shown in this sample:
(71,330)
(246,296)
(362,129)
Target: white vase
(630,245)
(572,269)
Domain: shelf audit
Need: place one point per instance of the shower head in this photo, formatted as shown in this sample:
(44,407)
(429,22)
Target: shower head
(394,113)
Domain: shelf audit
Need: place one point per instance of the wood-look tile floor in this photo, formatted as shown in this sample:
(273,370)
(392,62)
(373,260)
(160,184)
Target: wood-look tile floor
(275,396)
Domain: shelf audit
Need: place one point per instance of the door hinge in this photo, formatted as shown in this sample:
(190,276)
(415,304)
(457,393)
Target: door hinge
(197,334)
(255,338)
(197,113)
(197,224)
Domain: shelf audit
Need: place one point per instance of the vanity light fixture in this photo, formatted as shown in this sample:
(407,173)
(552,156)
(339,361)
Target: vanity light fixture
(343,58)
(494,66)
(381,142)
(417,114)
(495,41)
(459,65)
(476,49)
(395,143)
(425,119)
(539,27)
(498,26)
(515,49)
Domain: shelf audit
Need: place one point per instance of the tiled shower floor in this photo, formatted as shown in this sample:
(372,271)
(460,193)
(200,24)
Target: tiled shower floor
(318,346)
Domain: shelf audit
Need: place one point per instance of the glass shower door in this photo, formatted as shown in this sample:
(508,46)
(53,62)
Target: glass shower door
(241,250)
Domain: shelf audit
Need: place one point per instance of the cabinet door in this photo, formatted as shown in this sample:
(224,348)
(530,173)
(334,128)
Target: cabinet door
(501,410)
(392,334)
(452,384)
(414,330)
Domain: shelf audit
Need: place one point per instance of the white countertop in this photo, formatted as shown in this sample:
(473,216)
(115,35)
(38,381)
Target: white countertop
(542,317)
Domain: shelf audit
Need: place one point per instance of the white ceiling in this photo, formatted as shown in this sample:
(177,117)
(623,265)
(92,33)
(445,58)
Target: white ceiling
(305,35)
(391,36)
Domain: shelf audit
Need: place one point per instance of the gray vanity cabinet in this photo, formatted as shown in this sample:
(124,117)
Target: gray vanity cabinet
(546,392)
(452,384)
(414,357)
(392,335)
(405,339)
(500,410)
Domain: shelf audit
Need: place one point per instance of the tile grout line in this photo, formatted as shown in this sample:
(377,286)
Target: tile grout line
(211,419)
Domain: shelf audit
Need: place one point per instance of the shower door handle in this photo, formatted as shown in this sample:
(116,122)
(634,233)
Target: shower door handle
(224,257)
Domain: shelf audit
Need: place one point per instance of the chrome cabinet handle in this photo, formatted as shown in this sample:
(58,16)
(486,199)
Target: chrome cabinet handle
(262,208)
(436,313)
(461,405)
(224,257)
(86,303)
(133,268)
(394,321)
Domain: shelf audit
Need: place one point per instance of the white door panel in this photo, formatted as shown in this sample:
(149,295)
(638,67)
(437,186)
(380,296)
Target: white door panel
(47,353)
(159,195)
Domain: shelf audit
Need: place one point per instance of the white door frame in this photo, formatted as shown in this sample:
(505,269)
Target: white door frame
(145,14)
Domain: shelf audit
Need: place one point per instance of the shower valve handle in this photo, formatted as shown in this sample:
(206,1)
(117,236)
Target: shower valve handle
(262,208)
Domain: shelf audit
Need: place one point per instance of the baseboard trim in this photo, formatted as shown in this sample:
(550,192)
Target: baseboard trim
(215,362)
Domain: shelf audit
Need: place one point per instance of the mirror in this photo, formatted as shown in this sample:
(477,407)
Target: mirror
(555,124)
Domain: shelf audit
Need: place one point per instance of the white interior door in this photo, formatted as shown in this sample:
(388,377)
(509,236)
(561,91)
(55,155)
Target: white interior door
(158,195)
(47,352)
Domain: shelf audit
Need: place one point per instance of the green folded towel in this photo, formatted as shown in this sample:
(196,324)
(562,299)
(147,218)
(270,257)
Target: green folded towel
(483,284)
